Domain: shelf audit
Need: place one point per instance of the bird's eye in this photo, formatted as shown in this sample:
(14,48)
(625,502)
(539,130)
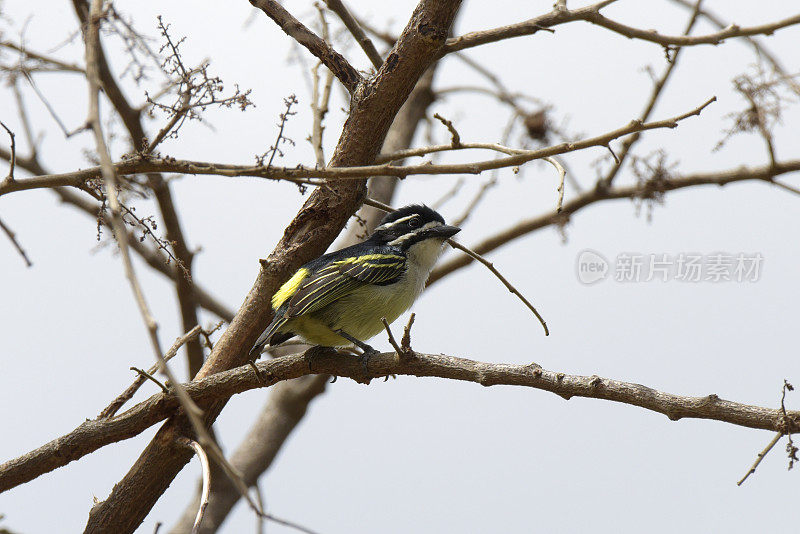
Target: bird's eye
(414,223)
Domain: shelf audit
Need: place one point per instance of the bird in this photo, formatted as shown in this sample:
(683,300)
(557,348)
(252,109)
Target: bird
(340,298)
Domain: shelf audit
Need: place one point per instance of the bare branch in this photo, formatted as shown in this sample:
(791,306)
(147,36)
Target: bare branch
(338,7)
(150,255)
(12,162)
(317,223)
(92,38)
(562,173)
(731,31)
(295,29)
(489,265)
(761,50)
(320,99)
(13,238)
(128,394)
(305,175)
(592,15)
(760,456)
(92,435)
(283,411)
(432,149)
(658,88)
(131,118)
(289,401)
(790,447)
(764,173)
(53,64)
(319,108)
(455,139)
(206,470)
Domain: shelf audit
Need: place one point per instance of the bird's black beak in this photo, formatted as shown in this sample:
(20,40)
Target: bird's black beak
(444,231)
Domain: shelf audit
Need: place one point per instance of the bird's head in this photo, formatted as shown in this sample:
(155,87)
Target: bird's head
(412,225)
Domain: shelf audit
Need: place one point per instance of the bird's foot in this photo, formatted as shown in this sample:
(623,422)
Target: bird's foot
(261,376)
(367,353)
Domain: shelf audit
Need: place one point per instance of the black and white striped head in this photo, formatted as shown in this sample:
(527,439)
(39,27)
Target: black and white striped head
(411,225)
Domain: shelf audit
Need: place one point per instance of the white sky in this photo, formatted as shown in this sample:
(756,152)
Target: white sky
(428,455)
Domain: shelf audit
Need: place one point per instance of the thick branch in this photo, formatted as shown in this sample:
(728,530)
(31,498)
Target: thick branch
(295,29)
(91,435)
(289,401)
(309,234)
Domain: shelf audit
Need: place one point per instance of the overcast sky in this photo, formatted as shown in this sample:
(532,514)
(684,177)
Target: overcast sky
(429,455)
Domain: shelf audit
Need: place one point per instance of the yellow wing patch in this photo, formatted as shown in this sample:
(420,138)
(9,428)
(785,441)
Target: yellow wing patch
(289,288)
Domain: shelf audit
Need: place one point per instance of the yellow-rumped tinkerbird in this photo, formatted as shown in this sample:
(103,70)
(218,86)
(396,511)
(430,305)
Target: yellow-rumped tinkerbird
(340,298)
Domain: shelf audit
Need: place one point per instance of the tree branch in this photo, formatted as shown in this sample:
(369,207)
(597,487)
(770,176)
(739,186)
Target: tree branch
(288,401)
(646,190)
(309,234)
(658,87)
(338,7)
(592,15)
(761,50)
(305,174)
(295,29)
(92,435)
(92,41)
(13,238)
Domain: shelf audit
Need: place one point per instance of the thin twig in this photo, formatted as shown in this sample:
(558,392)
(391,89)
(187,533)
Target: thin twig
(658,88)
(13,238)
(56,64)
(392,340)
(761,50)
(455,139)
(760,457)
(13,162)
(786,187)
(405,343)
(26,124)
(451,193)
(502,278)
(646,190)
(320,100)
(562,173)
(67,133)
(480,195)
(131,390)
(148,376)
(206,488)
(790,448)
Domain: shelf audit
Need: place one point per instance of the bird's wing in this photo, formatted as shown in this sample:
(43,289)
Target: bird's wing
(329,283)
(341,278)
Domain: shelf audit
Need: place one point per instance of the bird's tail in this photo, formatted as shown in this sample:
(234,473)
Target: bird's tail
(265,337)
